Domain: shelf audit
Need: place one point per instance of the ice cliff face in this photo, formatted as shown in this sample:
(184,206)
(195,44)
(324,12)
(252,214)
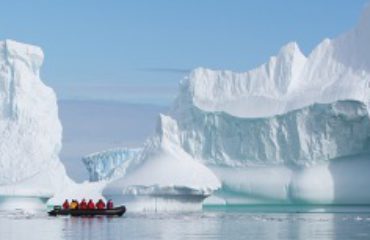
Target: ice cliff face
(30,130)
(261,116)
(299,120)
(109,164)
(29,124)
(299,138)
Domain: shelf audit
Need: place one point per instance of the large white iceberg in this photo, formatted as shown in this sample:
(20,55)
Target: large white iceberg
(294,130)
(30,129)
(30,132)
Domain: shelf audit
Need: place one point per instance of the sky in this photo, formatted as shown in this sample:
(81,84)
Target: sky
(94,126)
(137,51)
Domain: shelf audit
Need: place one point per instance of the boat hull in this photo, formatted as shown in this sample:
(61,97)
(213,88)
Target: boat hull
(118,211)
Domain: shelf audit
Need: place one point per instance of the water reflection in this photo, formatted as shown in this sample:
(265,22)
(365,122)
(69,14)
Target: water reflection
(209,224)
(206,225)
(29,226)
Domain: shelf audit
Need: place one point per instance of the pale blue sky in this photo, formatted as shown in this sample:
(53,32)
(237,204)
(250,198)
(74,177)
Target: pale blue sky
(137,51)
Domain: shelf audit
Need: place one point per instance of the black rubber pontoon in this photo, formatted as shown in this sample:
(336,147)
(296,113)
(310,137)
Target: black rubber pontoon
(118,211)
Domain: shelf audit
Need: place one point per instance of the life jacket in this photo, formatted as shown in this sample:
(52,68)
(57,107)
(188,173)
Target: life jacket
(91,205)
(73,205)
(83,204)
(100,205)
(66,204)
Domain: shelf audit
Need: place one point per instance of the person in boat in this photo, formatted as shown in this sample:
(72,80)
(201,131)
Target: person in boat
(74,204)
(90,204)
(100,204)
(83,204)
(110,204)
(66,204)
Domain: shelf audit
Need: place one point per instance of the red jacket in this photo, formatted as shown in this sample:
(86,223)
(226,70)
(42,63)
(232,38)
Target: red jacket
(83,204)
(100,205)
(66,204)
(91,205)
(109,205)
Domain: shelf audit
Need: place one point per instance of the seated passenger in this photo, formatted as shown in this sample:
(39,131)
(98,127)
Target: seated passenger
(100,204)
(90,204)
(110,204)
(83,204)
(66,204)
(73,205)
(78,204)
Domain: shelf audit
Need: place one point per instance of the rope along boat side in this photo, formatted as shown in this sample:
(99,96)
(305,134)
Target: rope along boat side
(117,211)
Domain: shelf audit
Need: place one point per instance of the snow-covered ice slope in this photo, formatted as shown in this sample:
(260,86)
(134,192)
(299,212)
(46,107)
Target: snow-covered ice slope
(336,69)
(163,176)
(284,132)
(239,93)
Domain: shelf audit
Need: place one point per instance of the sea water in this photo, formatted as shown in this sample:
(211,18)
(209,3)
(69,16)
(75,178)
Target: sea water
(211,223)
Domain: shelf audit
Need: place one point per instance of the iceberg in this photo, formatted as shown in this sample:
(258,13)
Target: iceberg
(29,124)
(295,130)
(109,164)
(303,137)
(31,173)
(30,129)
(164,177)
(337,69)
(291,149)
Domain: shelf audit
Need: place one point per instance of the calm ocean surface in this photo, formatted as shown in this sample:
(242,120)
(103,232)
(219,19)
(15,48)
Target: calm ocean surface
(211,223)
